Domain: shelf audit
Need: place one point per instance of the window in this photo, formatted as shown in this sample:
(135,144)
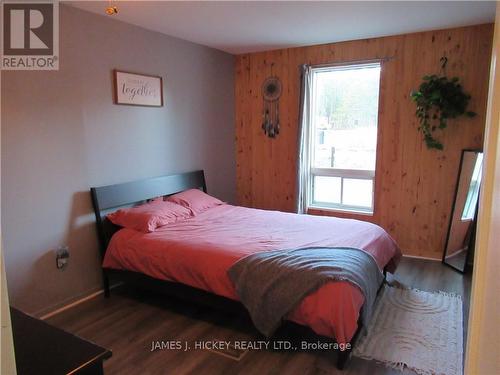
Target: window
(343,136)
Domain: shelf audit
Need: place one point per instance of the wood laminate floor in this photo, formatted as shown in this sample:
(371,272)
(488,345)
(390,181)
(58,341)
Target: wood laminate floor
(129,321)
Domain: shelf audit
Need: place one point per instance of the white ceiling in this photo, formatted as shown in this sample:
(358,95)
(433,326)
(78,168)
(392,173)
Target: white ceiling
(249,26)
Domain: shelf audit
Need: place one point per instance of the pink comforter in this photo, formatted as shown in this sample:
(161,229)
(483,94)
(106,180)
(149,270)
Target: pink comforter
(199,251)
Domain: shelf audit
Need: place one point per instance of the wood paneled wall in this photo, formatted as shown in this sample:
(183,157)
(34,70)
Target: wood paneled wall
(414,185)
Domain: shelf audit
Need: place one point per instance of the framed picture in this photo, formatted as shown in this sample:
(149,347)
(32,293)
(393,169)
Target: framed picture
(138,89)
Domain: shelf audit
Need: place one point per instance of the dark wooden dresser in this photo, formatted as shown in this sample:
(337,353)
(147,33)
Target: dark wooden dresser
(44,349)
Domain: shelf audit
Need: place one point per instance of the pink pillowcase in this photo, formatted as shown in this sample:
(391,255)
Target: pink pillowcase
(149,216)
(194,199)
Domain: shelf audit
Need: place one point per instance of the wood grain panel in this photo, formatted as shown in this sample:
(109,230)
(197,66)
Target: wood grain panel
(413,186)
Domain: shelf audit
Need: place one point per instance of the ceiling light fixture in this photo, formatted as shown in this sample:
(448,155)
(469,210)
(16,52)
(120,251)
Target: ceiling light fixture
(110,9)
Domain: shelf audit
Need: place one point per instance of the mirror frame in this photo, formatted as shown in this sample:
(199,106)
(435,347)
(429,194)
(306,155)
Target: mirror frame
(472,239)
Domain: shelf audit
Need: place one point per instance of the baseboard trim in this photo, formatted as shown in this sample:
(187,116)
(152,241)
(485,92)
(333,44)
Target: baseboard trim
(72,304)
(419,257)
(75,303)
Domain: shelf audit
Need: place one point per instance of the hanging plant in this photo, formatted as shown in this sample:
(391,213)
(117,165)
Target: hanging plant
(439,99)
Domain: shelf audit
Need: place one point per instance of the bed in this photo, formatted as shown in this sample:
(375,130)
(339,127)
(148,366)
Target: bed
(192,257)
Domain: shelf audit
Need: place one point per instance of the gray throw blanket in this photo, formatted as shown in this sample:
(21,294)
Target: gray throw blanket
(271,284)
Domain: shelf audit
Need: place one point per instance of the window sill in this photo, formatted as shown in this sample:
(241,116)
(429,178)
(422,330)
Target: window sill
(340,210)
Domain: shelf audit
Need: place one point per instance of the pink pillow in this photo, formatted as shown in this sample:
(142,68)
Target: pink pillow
(194,199)
(149,216)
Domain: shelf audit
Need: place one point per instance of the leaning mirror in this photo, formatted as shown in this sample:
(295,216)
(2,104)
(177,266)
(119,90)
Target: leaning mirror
(460,240)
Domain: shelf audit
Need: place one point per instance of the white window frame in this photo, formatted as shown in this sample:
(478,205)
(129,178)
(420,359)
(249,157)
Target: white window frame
(360,174)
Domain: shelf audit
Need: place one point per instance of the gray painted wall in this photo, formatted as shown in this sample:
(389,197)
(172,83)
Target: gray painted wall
(61,134)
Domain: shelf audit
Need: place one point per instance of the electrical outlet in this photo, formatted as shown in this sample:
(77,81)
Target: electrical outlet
(62,257)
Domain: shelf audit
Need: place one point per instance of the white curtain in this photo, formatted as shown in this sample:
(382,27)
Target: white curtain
(303,138)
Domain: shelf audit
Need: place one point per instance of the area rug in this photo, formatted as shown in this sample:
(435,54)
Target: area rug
(422,331)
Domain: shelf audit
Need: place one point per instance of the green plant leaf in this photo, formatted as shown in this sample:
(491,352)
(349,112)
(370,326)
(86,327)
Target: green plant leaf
(438,99)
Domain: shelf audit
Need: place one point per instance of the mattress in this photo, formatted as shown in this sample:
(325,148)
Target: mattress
(198,252)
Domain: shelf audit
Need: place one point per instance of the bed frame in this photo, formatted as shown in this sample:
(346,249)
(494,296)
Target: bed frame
(106,199)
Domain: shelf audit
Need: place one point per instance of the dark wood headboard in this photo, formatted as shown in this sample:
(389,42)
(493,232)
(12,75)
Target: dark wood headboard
(107,199)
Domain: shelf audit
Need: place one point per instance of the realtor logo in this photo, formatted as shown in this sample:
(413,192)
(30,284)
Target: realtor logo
(30,36)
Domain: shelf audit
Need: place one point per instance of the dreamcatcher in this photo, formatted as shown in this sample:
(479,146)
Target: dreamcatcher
(271,92)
